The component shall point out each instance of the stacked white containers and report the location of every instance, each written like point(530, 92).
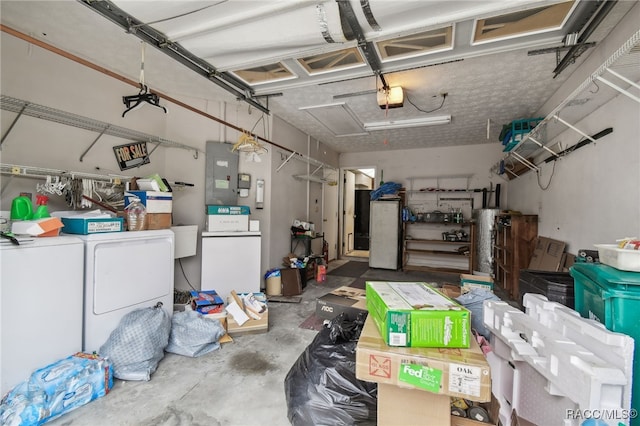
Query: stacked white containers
point(553, 367)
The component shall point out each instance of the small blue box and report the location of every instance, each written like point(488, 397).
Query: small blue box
point(86, 226)
point(206, 302)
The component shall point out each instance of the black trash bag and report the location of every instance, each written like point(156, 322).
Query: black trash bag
point(321, 387)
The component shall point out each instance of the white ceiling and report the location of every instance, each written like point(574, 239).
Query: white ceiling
point(491, 83)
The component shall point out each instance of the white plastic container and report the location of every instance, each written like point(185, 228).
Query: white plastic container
point(623, 259)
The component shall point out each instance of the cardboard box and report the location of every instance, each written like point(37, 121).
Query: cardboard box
point(252, 325)
point(548, 255)
point(451, 290)
point(227, 218)
point(349, 300)
point(463, 373)
point(223, 223)
point(154, 201)
point(414, 314)
point(291, 281)
point(400, 407)
point(469, 282)
point(46, 227)
point(158, 221)
point(492, 408)
point(228, 210)
point(207, 302)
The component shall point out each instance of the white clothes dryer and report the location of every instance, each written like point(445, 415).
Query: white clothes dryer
point(124, 271)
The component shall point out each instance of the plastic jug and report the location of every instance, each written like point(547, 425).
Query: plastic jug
point(21, 208)
point(41, 210)
point(136, 215)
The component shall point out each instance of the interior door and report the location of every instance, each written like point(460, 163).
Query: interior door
point(348, 212)
point(361, 226)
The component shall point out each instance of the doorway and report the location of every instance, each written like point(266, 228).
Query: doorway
point(357, 184)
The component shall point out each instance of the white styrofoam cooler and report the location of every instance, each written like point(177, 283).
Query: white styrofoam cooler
point(623, 259)
point(549, 363)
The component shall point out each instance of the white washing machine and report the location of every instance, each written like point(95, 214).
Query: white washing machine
point(124, 271)
point(40, 305)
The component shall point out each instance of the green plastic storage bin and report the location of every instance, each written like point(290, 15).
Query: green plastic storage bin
point(612, 297)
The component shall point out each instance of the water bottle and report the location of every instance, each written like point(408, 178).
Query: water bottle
point(136, 214)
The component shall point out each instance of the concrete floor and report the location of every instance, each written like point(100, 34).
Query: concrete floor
point(242, 383)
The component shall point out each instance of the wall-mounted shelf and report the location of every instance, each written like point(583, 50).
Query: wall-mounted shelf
point(431, 193)
point(619, 75)
point(311, 176)
point(41, 173)
point(21, 107)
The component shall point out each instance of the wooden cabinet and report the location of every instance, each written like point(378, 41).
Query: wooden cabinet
point(514, 242)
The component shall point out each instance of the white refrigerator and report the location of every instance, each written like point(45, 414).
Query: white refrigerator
point(231, 261)
point(385, 235)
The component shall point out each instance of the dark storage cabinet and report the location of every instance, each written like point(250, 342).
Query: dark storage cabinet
point(514, 241)
point(556, 286)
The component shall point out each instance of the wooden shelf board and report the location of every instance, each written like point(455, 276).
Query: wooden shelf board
point(433, 269)
point(438, 252)
point(427, 241)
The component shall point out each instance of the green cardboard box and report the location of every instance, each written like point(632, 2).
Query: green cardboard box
point(414, 314)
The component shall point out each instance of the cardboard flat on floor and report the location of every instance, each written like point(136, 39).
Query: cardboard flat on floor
point(415, 314)
point(548, 255)
point(252, 326)
point(349, 300)
point(464, 373)
point(400, 407)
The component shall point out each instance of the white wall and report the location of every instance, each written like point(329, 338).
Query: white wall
point(37, 75)
point(594, 192)
point(399, 166)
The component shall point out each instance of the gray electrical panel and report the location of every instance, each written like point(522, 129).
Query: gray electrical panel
point(221, 184)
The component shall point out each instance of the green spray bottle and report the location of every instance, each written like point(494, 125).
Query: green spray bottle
point(41, 210)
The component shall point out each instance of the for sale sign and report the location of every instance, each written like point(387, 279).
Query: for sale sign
point(131, 155)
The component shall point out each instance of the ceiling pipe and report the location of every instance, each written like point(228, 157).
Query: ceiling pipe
point(352, 30)
point(91, 65)
point(577, 49)
point(174, 50)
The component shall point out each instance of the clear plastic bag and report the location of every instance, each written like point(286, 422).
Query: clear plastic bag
point(321, 387)
point(194, 335)
point(137, 345)
point(474, 302)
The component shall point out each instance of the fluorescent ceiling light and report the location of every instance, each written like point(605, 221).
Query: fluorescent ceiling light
point(403, 124)
point(337, 117)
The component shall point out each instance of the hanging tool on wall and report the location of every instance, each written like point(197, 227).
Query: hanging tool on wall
point(144, 96)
